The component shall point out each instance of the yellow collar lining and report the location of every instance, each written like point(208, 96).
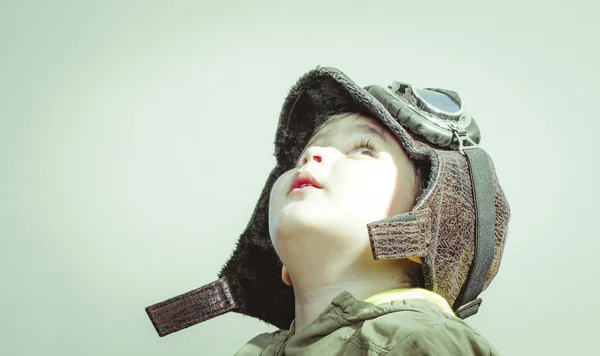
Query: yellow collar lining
point(410, 293)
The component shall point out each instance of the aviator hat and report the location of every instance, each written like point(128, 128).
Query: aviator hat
point(457, 227)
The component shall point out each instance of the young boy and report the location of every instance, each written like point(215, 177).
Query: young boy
point(371, 233)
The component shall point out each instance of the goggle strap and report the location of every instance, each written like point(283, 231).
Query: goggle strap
point(467, 303)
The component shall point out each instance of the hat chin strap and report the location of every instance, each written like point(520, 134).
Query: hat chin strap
point(467, 303)
point(193, 307)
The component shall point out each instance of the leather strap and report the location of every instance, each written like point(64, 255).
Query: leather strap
point(192, 307)
point(467, 303)
point(401, 236)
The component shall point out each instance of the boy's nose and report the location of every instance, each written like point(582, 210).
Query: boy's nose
point(315, 157)
point(313, 154)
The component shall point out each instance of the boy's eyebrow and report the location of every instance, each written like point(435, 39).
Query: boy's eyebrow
point(366, 127)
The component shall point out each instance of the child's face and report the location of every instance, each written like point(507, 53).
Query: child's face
point(359, 185)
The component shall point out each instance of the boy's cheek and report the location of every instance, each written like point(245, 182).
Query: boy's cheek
point(283, 182)
point(279, 191)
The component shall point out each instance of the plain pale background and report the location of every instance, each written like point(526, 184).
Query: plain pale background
point(135, 138)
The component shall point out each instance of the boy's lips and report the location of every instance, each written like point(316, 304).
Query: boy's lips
point(303, 177)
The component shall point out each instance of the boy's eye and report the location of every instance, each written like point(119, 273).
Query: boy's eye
point(365, 146)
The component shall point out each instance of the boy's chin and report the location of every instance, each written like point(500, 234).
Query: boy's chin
point(318, 238)
point(302, 216)
point(320, 215)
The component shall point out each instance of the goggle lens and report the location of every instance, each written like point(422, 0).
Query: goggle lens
point(439, 100)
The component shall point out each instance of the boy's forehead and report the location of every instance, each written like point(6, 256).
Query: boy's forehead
point(353, 122)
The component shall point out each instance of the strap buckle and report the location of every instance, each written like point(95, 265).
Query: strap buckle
point(469, 309)
point(464, 141)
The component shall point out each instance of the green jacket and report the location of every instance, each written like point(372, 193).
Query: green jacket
point(353, 327)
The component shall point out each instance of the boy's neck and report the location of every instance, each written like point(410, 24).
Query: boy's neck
point(310, 302)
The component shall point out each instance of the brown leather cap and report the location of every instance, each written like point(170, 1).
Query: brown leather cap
point(440, 228)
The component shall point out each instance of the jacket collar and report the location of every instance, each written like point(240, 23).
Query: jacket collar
point(345, 309)
point(410, 293)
